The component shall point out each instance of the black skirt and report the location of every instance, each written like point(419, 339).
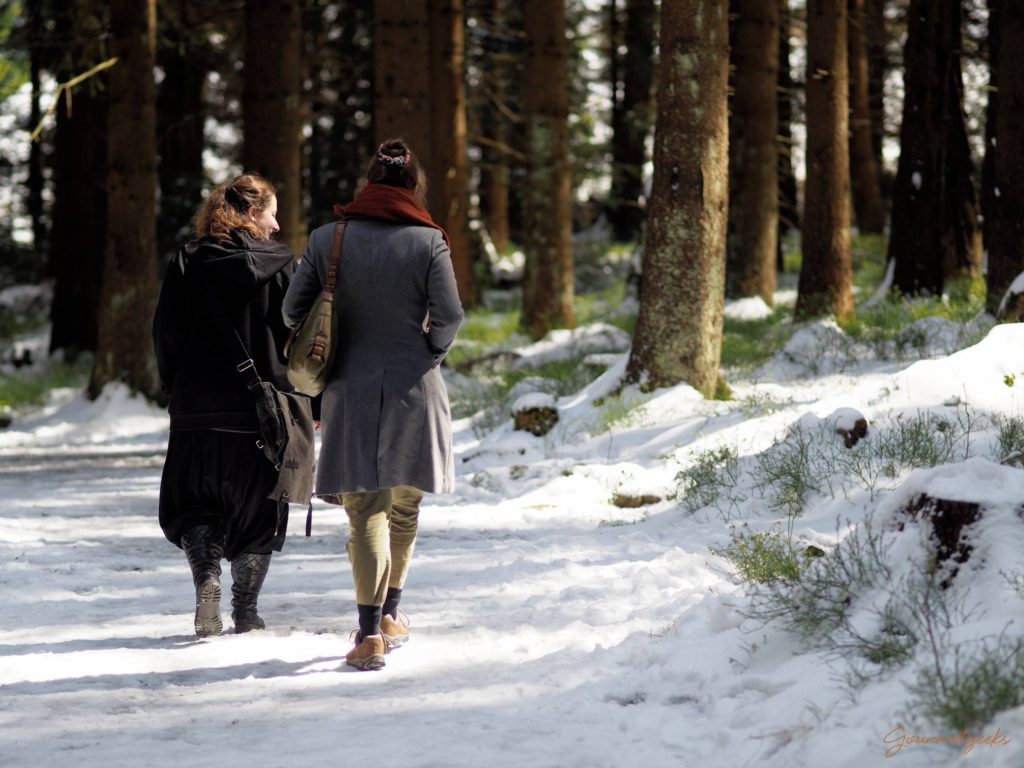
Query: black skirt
point(221, 479)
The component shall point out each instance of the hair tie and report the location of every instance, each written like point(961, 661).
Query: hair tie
point(235, 199)
point(398, 161)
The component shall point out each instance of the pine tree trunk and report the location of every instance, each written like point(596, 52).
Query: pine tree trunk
point(877, 39)
point(679, 330)
point(36, 181)
point(629, 137)
point(865, 177)
point(79, 213)
point(549, 281)
point(1006, 248)
point(987, 195)
point(753, 150)
point(180, 116)
point(124, 348)
point(271, 107)
point(450, 182)
point(789, 216)
point(401, 56)
point(934, 234)
point(826, 272)
point(494, 125)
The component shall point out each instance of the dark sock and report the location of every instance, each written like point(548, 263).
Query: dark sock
point(369, 620)
point(390, 607)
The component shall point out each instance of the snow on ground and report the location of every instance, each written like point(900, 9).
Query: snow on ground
point(550, 627)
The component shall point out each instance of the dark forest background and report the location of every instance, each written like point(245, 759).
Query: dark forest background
point(669, 127)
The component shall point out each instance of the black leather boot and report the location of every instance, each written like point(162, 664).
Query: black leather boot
point(204, 548)
point(247, 573)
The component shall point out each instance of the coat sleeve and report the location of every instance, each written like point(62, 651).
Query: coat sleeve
point(304, 287)
point(443, 303)
point(170, 324)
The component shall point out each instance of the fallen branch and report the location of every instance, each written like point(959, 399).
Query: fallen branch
point(65, 88)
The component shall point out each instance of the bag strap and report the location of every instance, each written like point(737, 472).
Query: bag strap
point(332, 267)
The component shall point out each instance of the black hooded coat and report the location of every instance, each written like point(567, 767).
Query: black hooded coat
point(214, 472)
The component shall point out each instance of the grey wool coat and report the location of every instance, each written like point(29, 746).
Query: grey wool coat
point(385, 418)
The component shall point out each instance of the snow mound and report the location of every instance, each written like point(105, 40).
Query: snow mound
point(569, 345)
point(753, 308)
point(114, 420)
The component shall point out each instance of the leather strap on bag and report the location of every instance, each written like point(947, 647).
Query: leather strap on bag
point(332, 268)
point(328, 289)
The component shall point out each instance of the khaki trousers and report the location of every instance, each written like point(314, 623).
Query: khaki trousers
point(382, 535)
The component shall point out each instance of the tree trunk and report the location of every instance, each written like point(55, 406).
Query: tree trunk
point(753, 151)
point(987, 196)
point(549, 281)
point(877, 38)
point(789, 217)
point(495, 119)
point(826, 273)
point(934, 233)
point(679, 331)
point(124, 347)
point(635, 109)
point(865, 177)
point(180, 115)
point(450, 198)
point(36, 180)
point(1006, 249)
point(79, 214)
point(420, 95)
point(271, 107)
point(401, 56)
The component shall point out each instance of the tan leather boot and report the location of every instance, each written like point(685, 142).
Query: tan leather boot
point(368, 653)
point(395, 632)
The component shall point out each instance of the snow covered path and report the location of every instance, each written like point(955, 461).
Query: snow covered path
point(522, 652)
point(551, 628)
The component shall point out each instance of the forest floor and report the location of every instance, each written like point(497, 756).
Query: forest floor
point(574, 604)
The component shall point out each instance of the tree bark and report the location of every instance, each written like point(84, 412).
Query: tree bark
point(79, 213)
point(934, 233)
point(36, 180)
point(1006, 248)
point(864, 172)
point(630, 131)
point(271, 107)
point(180, 116)
point(789, 216)
point(679, 330)
point(753, 151)
point(877, 38)
point(496, 119)
point(419, 94)
point(826, 272)
point(549, 282)
point(401, 56)
point(124, 348)
point(448, 138)
point(987, 197)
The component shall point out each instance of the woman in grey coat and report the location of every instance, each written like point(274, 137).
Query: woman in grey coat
point(385, 420)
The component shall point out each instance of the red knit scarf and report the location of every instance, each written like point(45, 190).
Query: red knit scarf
point(382, 201)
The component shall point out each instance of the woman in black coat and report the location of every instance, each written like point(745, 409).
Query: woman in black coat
point(214, 490)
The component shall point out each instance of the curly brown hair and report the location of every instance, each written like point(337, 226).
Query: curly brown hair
point(227, 207)
point(408, 173)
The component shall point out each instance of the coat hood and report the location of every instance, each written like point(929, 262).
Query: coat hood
point(242, 262)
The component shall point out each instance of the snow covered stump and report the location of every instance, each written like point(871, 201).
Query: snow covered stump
point(948, 518)
point(849, 423)
point(535, 413)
